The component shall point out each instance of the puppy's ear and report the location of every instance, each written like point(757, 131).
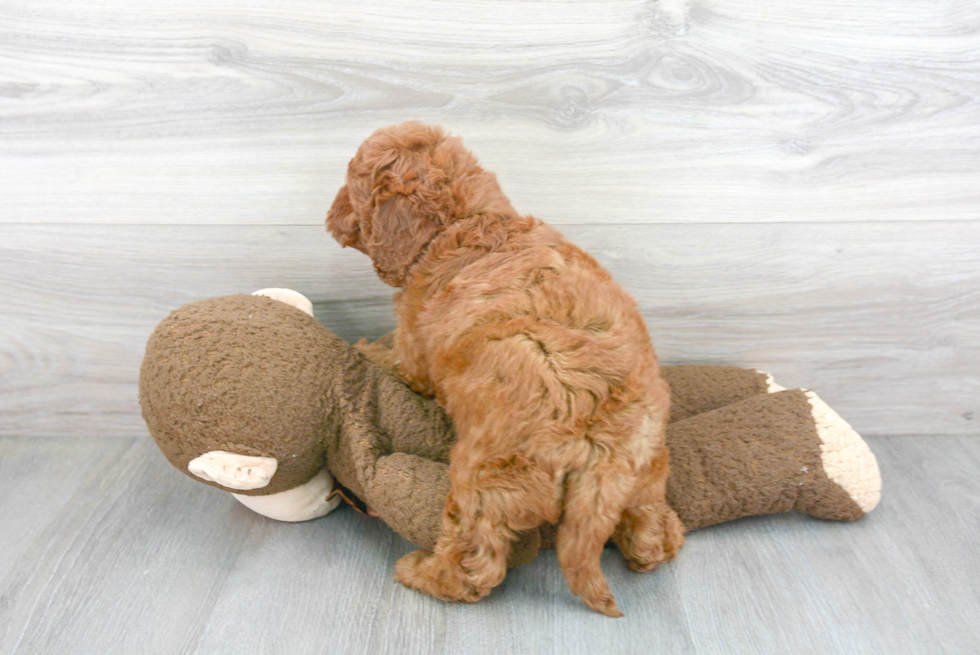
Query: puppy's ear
point(405, 233)
point(341, 220)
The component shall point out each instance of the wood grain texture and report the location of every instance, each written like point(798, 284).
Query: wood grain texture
point(786, 185)
point(135, 557)
point(623, 111)
point(882, 321)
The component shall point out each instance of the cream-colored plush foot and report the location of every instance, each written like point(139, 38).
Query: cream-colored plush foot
point(845, 456)
point(288, 296)
point(302, 503)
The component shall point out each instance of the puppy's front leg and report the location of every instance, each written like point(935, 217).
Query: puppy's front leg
point(378, 353)
point(411, 365)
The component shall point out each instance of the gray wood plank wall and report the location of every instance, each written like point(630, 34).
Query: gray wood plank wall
point(791, 186)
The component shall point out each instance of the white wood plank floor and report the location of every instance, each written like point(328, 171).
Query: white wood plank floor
point(106, 549)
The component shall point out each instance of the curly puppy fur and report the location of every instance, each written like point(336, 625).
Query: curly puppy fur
point(542, 360)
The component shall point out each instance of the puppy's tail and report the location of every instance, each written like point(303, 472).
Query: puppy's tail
point(592, 511)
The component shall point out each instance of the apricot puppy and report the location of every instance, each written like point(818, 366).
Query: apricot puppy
point(540, 358)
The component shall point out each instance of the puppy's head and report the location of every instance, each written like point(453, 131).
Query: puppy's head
point(404, 185)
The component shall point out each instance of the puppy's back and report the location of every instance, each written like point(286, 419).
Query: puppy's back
point(539, 317)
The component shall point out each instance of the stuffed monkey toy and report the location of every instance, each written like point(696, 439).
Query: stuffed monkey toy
point(252, 395)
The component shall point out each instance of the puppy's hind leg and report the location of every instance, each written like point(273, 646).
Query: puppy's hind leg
point(484, 511)
point(469, 560)
point(594, 499)
point(649, 532)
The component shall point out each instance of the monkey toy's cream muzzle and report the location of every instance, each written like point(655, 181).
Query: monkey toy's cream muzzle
point(247, 473)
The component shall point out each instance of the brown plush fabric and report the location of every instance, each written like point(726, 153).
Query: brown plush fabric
point(255, 376)
point(758, 456)
point(698, 389)
point(242, 374)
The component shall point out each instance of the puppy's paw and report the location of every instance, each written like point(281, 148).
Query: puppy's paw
point(408, 569)
point(653, 538)
point(673, 533)
point(647, 562)
point(431, 575)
